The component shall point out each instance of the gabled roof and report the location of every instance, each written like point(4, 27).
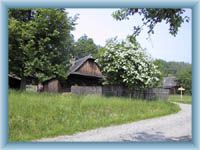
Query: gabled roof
point(79, 62)
point(169, 82)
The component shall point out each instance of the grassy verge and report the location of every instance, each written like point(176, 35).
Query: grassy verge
point(37, 115)
point(187, 99)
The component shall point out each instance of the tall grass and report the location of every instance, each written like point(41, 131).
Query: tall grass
point(37, 115)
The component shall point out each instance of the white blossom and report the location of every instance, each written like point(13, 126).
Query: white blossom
point(129, 62)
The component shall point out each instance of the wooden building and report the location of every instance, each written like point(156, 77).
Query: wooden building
point(14, 81)
point(171, 84)
point(52, 85)
point(83, 72)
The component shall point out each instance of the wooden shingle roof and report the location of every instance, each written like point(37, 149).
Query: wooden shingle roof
point(78, 63)
point(169, 82)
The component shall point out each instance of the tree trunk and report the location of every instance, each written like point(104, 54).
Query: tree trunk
point(23, 84)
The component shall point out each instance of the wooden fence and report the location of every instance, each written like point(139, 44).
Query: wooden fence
point(87, 90)
point(149, 94)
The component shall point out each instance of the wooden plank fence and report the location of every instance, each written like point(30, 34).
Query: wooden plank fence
point(148, 94)
point(86, 90)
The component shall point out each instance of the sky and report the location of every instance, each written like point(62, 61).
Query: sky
point(99, 25)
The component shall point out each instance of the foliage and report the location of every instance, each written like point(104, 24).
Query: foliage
point(184, 78)
point(171, 68)
point(126, 63)
point(39, 43)
point(83, 47)
point(187, 99)
point(49, 115)
point(153, 16)
point(181, 70)
point(162, 66)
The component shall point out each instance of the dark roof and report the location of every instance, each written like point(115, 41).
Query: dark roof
point(79, 62)
point(169, 82)
point(84, 74)
point(14, 76)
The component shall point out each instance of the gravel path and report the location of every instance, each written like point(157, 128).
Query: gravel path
point(175, 127)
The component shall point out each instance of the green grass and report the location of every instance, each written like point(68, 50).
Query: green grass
point(38, 115)
point(187, 99)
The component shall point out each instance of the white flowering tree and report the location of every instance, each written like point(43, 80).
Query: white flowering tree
point(126, 63)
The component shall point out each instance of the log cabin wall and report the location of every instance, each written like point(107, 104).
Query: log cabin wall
point(90, 68)
point(52, 86)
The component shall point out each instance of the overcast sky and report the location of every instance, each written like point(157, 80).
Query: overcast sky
point(99, 25)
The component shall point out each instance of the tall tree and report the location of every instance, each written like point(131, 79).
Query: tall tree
point(39, 43)
point(152, 16)
point(84, 46)
point(18, 18)
point(126, 63)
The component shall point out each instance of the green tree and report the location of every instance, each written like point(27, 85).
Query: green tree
point(17, 37)
point(171, 68)
point(84, 46)
point(184, 78)
point(126, 63)
point(152, 16)
point(161, 66)
point(39, 43)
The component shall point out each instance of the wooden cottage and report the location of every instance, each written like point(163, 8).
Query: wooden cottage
point(84, 71)
point(171, 84)
point(14, 81)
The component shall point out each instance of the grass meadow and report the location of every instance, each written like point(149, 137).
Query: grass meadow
point(38, 115)
point(187, 99)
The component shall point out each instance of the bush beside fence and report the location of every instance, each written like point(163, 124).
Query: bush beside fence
point(149, 93)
